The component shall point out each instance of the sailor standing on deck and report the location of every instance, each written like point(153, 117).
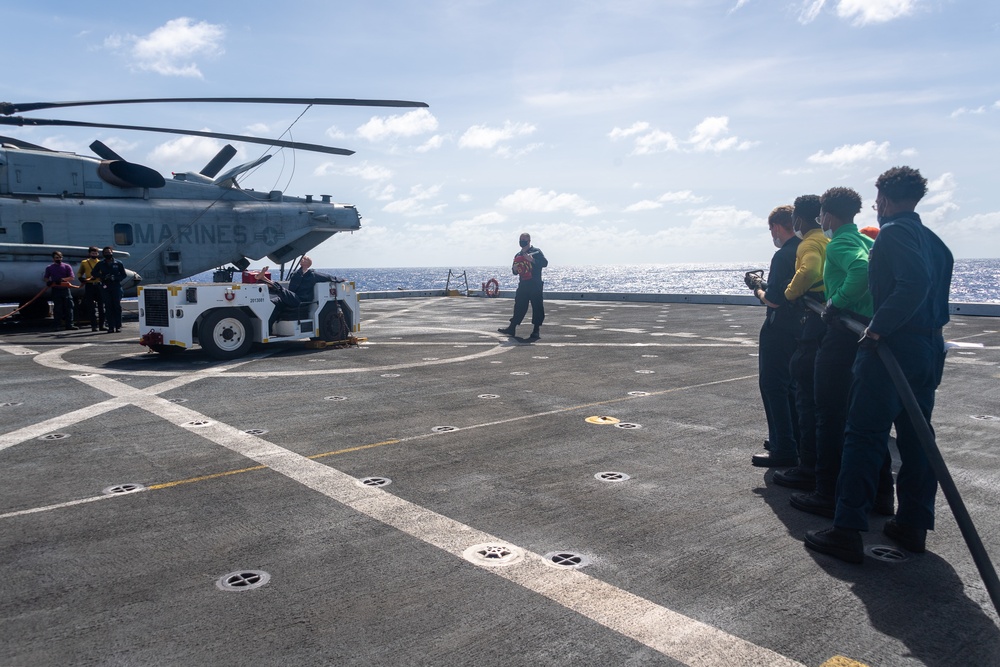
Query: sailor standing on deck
point(807, 283)
point(93, 301)
point(777, 339)
point(111, 273)
point(528, 265)
point(845, 277)
point(909, 275)
point(58, 276)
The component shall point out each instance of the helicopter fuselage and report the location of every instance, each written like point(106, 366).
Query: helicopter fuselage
point(190, 224)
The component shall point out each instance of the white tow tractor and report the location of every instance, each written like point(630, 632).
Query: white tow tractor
point(226, 319)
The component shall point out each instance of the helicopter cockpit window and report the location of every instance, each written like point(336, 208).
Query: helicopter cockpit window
point(123, 235)
point(31, 232)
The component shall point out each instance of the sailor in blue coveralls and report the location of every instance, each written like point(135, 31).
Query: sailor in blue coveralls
point(909, 275)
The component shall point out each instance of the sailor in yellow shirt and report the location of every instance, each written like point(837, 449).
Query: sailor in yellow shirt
point(807, 283)
point(93, 299)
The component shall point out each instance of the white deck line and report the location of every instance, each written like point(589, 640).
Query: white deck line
point(677, 636)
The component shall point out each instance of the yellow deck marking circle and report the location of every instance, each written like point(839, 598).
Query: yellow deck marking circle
point(841, 661)
point(602, 420)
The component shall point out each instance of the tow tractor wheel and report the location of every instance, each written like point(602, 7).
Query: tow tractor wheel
point(331, 326)
point(226, 333)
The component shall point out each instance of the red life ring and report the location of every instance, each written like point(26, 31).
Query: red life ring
point(491, 287)
point(230, 295)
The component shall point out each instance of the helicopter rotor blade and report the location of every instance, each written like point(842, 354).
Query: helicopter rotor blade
point(316, 148)
point(9, 108)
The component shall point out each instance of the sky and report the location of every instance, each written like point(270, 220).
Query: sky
point(625, 132)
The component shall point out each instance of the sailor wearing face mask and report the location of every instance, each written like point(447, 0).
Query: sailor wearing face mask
point(527, 266)
point(59, 276)
point(112, 274)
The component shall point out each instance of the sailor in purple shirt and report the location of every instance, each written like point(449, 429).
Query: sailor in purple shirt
point(57, 275)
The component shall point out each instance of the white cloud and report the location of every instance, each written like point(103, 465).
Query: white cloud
point(335, 132)
point(860, 12)
point(186, 150)
point(939, 197)
point(416, 203)
point(636, 128)
point(533, 200)
point(961, 111)
point(433, 143)
point(810, 10)
point(739, 3)
point(644, 205)
point(680, 196)
point(412, 123)
point(711, 135)
point(173, 48)
point(864, 12)
point(481, 136)
point(370, 172)
point(848, 154)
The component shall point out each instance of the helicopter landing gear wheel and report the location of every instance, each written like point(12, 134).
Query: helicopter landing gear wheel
point(226, 333)
point(333, 324)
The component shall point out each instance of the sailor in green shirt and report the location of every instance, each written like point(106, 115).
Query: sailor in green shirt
point(845, 277)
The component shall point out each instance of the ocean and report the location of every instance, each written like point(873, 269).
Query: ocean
point(974, 280)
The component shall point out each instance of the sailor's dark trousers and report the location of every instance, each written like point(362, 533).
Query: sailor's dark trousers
point(776, 389)
point(875, 406)
point(528, 292)
point(834, 362)
point(803, 368)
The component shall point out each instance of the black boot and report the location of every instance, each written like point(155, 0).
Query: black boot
point(534, 334)
point(508, 331)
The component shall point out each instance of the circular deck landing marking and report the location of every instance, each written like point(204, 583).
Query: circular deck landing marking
point(243, 580)
point(493, 555)
point(488, 396)
point(444, 429)
point(11, 404)
point(197, 423)
point(374, 481)
point(566, 560)
point(119, 489)
point(628, 425)
point(334, 398)
point(255, 431)
point(55, 436)
point(602, 419)
point(638, 393)
point(612, 476)
point(985, 418)
point(886, 553)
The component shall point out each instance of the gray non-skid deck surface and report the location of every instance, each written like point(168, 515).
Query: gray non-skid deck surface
point(376, 576)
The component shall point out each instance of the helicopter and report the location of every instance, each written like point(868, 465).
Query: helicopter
point(164, 229)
